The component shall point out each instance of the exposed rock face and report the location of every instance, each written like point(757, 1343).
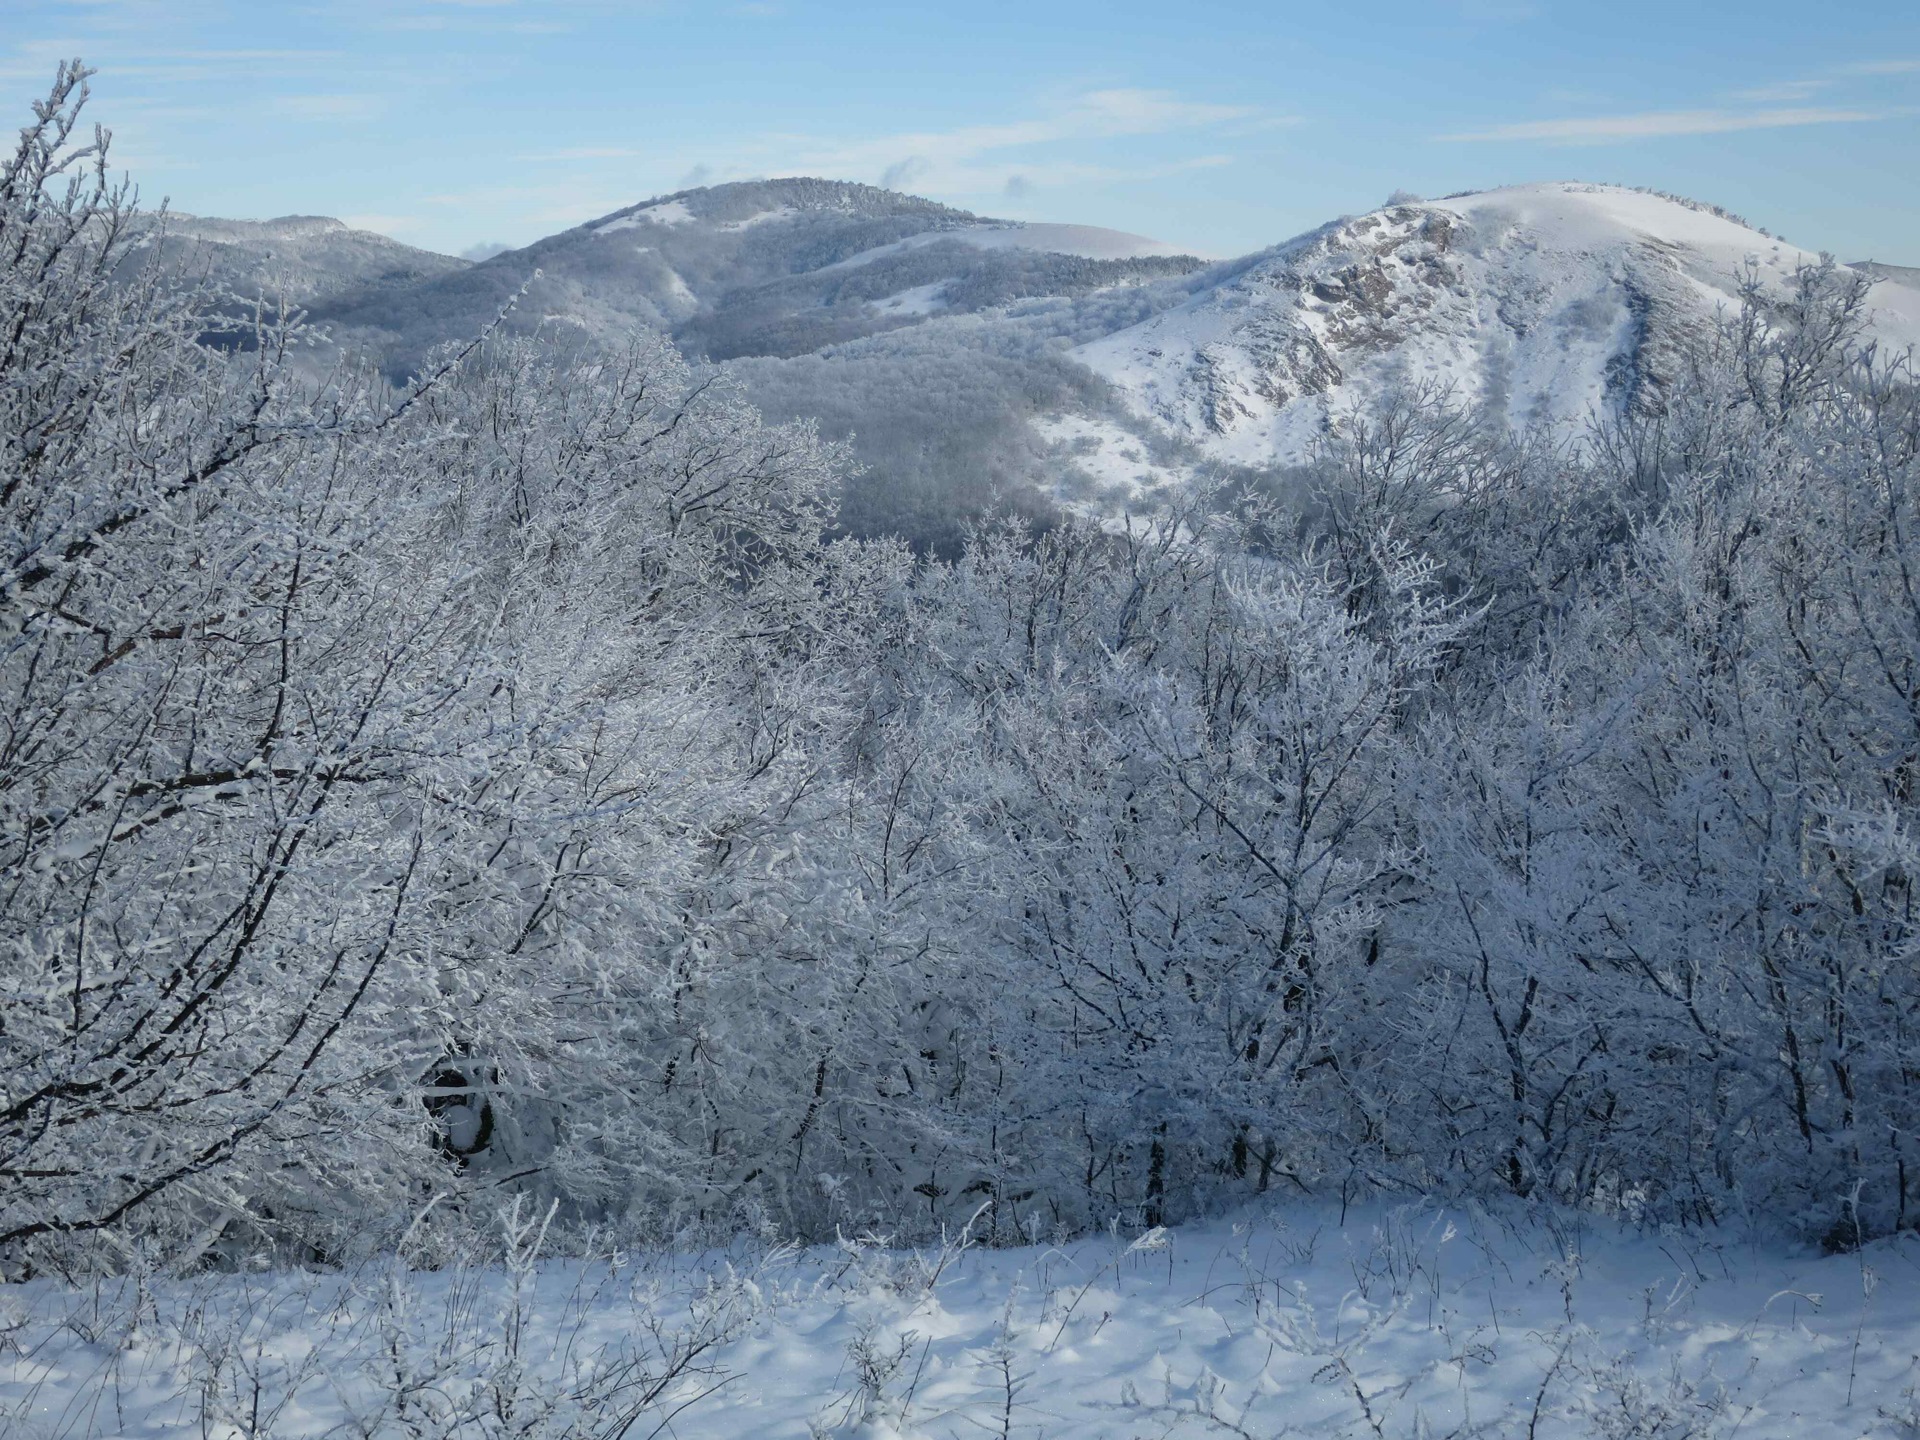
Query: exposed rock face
point(1548, 303)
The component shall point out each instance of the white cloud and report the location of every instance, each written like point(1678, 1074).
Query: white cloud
point(975, 158)
point(972, 160)
point(1781, 102)
point(1602, 129)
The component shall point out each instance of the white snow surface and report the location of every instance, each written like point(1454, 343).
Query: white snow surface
point(920, 300)
point(667, 212)
point(763, 217)
point(1550, 302)
point(1088, 241)
point(1400, 1322)
point(1124, 476)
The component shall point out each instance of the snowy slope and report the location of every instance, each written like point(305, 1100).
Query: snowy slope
point(1089, 242)
point(1550, 302)
point(768, 267)
point(301, 258)
point(1305, 1322)
point(945, 345)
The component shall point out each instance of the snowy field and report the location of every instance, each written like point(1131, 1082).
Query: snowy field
point(1400, 1322)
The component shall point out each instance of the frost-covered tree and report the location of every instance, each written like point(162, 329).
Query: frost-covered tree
point(352, 741)
point(508, 783)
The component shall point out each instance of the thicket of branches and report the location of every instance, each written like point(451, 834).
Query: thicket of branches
point(503, 785)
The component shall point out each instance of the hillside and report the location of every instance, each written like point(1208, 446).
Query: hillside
point(972, 361)
point(301, 258)
point(1547, 302)
point(777, 267)
point(1908, 275)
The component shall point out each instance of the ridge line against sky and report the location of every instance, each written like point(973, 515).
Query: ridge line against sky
point(1222, 128)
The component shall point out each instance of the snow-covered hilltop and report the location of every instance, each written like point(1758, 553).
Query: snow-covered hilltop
point(1551, 301)
point(299, 258)
point(765, 267)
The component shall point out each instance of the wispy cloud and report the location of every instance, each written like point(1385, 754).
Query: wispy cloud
point(1782, 105)
point(1807, 86)
point(1606, 129)
point(976, 158)
point(125, 60)
point(979, 159)
point(1096, 115)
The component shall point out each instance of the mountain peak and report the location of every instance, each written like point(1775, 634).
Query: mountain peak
point(1546, 302)
point(301, 258)
point(740, 203)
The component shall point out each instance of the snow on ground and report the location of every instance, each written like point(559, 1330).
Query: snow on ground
point(679, 290)
point(1088, 241)
point(920, 300)
point(1409, 1321)
point(762, 217)
point(1896, 312)
point(667, 212)
point(1122, 473)
point(1542, 301)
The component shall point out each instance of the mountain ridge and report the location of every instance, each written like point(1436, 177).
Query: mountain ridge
point(301, 259)
point(1550, 302)
point(971, 360)
point(775, 267)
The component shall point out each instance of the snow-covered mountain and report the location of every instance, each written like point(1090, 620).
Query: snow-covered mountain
point(776, 267)
point(1550, 302)
point(1908, 275)
point(969, 358)
point(301, 258)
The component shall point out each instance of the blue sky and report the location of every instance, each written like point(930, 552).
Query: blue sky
point(1220, 126)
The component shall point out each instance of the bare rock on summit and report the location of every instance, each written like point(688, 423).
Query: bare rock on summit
point(1548, 303)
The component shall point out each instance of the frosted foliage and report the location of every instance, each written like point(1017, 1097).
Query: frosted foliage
point(507, 787)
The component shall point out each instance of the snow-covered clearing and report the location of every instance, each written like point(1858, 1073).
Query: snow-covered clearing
point(760, 217)
point(1115, 462)
point(1088, 241)
point(1406, 1321)
point(666, 212)
point(920, 300)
